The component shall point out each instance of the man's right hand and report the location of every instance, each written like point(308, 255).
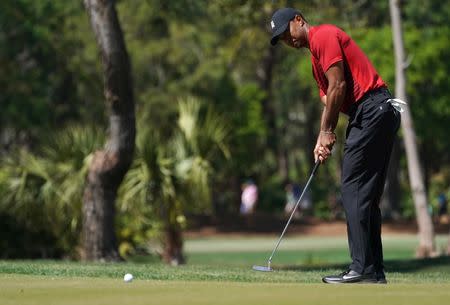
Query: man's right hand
point(324, 145)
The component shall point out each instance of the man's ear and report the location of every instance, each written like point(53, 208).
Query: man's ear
point(299, 19)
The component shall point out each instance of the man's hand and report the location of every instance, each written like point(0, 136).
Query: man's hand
point(324, 145)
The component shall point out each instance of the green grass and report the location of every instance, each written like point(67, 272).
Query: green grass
point(292, 251)
point(219, 272)
point(46, 290)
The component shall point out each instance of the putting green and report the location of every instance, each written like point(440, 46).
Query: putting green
point(219, 272)
point(25, 289)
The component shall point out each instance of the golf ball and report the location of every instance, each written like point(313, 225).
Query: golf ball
point(128, 278)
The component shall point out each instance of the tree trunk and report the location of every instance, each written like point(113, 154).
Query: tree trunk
point(173, 246)
point(426, 232)
point(264, 73)
point(172, 238)
point(109, 166)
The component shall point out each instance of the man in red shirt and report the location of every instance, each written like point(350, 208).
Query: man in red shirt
point(349, 83)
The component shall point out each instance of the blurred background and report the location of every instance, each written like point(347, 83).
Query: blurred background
point(225, 124)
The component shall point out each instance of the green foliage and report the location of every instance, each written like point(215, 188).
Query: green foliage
point(428, 84)
point(37, 77)
point(43, 192)
point(171, 177)
point(431, 13)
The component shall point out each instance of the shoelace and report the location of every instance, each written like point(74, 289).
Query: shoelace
point(345, 272)
point(397, 104)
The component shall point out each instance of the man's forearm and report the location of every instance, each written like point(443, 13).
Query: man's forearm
point(330, 114)
point(322, 119)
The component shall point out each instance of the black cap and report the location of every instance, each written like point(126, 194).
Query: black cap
point(280, 22)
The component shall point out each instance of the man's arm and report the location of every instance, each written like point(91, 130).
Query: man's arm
point(330, 115)
point(318, 150)
point(323, 99)
point(335, 96)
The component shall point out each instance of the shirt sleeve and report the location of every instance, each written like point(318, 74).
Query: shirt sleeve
point(327, 48)
point(319, 77)
point(321, 93)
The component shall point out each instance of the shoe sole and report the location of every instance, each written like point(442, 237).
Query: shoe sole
point(352, 281)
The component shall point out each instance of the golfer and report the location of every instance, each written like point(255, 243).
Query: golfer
point(348, 83)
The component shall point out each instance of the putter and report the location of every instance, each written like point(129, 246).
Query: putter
point(268, 268)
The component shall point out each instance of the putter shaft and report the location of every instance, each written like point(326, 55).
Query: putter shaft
point(269, 262)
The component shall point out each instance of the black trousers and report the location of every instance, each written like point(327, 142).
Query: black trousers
point(371, 131)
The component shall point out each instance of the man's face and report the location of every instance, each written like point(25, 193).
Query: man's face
point(293, 35)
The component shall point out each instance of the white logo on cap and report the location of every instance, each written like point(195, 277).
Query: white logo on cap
point(272, 24)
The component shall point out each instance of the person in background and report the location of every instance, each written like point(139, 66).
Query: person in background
point(293, 192)
point(335, 206)
point(249, 197)
point(443, 209)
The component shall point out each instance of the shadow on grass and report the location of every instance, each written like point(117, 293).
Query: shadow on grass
point(403, 266)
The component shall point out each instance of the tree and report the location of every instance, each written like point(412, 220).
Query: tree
point(109, 166)
point(41, 194)
point(37, 82)
point(173, 176)
point(426, 233)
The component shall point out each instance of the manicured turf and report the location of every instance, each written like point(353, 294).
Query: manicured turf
point(292, 251)
point(219, 272)
point(47, 290)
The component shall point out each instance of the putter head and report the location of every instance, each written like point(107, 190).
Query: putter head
point(262, 268)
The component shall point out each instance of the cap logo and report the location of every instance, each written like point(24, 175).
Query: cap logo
point(272, 24)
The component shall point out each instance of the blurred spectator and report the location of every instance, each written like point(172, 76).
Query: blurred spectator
point(442, 209)
point(249, 197)
point(335, 206)
point(293, 193)
point(306, 203)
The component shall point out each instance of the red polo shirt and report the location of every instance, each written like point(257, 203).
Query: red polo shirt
point(328, 45)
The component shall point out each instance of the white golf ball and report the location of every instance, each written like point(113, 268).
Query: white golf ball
point(128, 278)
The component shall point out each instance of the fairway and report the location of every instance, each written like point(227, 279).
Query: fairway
point(48, 290)
point(219, 272)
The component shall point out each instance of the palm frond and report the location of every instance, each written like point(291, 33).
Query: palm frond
point(45, 190)
point(188, 119)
